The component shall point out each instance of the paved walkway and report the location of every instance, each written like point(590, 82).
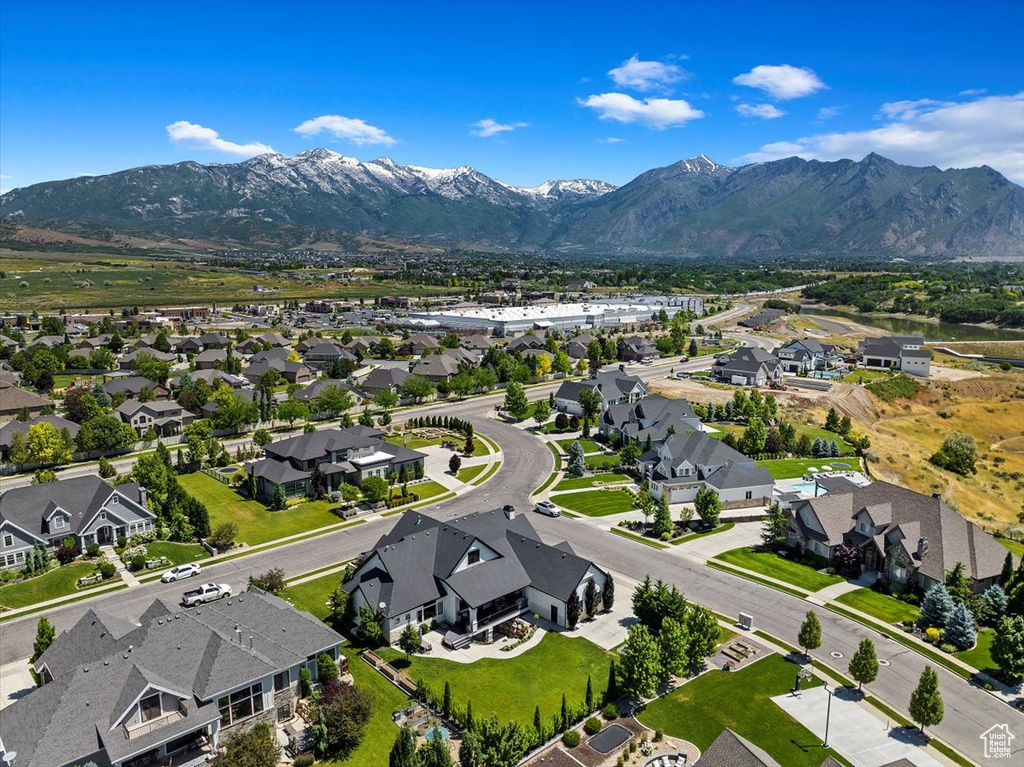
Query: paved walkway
point(855, 732)
point(15, 682)
point(829, 593)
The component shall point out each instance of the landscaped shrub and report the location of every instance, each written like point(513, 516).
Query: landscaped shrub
point(138, 562)
point(121, 541)
point(658, 735)
point(304, 760)
point(947, 647)
point(932, 635)
point(92, 550)
point(305, 682)
point(67, 551)
point(611, 711)
point(592, 726)
point(107, 569)
point(571, 738)
point(325, 668)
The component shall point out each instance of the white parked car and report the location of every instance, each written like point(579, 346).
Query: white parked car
point(548, 508)
point(208, 592)
point(181, 571)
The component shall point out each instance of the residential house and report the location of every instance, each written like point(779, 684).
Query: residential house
point(325, 354)
point(747, 366)
point(653, 418)
point(214, 341)
point(361, 347)
point(614, 387)
point(50, 342)
point(313, 390)
point(577, 347)
point(273, 353)
point(88, 509)
point(463, 357)
point(165, 417)
point(732, 750)
point(130, 360)
point(169, 690)
point(806, 355)
point(579, 286)
point(291, 372)
point(472, 574)
point(419, 344)
point(342, 455)
point(903, 353)
point(435, 368)
point(905, 537)
point(477, 344)
point(14, 400)
point(686, 462)
point(211, 359)
point(524, 343)
point(384, 379)
point(637, 349)
point(132, 385)
point(8, 429)
point(94, 342)
point(215, 378)
point(189, 345)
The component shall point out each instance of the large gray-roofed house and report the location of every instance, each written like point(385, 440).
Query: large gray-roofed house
point(13, 400)
point(688, 461)
point(654, 417)
point(88, 509)
point(904, 353)
point(120, 694)
point(132, 385)
point(747, 366)
point(384, 379)
point(8, 430)
point(905, 537)
point(614, 386)
point(472, 574)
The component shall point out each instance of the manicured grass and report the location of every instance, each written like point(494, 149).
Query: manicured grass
point(692, 536)
point(646, 541)
point(596, 503)
point(470, 472)
point(511, 687)
point(64, 380)
point(380, 732)
point(416, 442)
point(603, 461)
point(980, 656)
point(741, 700)
point(424, 490)
point(1014, 546)
point(56, 583)
point(863, 376)
point(880, 606)
point(580, 483)
point(793, 468)
point(256, 523)
point(176, 553)
point(588, 445)
point(812, 432)
point(773, 566)
point(751, 577)
point(312, 595)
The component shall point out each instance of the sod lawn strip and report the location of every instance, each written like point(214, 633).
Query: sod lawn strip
point(603, 461)
point(176, 553)
point(57, 583)
point(880, 606)
point(741, 700)
point(705, 534)
point(588, 445)
point(511, 687)
point(470, 472)
point(424, 490)
point(256, 523)
point(980, 655)
point(312, 595)
point(774, 566)
point(751, 577)
point(596, 503)
point(581, 483)
point(1015, 546)
point(646, 541)
point(794, 468)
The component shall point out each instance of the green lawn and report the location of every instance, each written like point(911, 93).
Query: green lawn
point(793, 468)
point(415, 442)
point(64, 380)
point(603, 461)
point(980, 657)
point(579, 483)
point(596, 503)
point(511, 687)
point(470, 472)
point(741, 700)
point(588, 445)
point(1014, 546)
point(885, 608)
point(812, 432)
point(177, 553)
point(713, 531)
point(312, 595)
point(56, 583)
point(774, 566)
point(863, 376)
point(424, 490)
point(256, 523)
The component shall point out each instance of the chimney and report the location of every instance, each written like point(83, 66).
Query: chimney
point(922, 547)
point(936, 495)
point(250, 641)
point(622, 368)
point(510, 512)
point(142, 495)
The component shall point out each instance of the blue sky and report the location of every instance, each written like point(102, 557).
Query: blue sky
point(522, 91)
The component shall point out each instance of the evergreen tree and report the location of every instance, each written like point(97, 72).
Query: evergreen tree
point(280, 500)
point(403, 752)
point(470, 723)
point(960, 631)
point(589, 698)
point(45, 634)
point(564, 716)
point(662, 517)
point(864, 663)
point(833, 449)
point(773, 529)
point(936, 606)
point(996, 601)
point(832, 420)
point(1007, 572)
point(810, 633)
point(591, 600)
point(572, 610)
point(926, 702)
point(957, 584)
point(1008, 646)
point(608, 592)
point(577, 464)
point(537, 725)
point(446, 701)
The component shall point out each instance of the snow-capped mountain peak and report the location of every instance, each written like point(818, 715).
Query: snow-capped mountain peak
point(701, 165)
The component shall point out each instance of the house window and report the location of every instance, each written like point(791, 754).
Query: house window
point(474, 556)
point(59, 522)
point(103, 515)
point(241, 704)
point(281, 681)
point(149, 708)
point(8, 540)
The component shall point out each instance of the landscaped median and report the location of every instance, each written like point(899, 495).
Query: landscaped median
point(773, 566)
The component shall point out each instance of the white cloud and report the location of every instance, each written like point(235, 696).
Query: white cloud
point(199, 137)
point(351, 129)
point(764, 111)
point(828, 113)
point(487, 127)
point(646, 75)
point(973, 92)
point(985, 131)
point(610, 140)
point(781, 81)
point(654, 113)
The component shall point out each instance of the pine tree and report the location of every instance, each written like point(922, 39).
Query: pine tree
point(996, 600)
point(662, 517)
point(45, 634)
point(960, 630)
point(810, 633)
point(926, 702)
point(1007, 574)
point(564, 718)
point(572, 610)
point(577, 464)
point(957, 584)
point(537, 725)
point(280, 500)
point(611, 692)
point(773, 529)
point(864, 663)
point(469, 716)
point(608, 592)
point(446, 702)
point(936, 606)
point(589, 698)
point(403, 752)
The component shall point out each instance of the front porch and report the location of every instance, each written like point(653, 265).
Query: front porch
point(480, 622)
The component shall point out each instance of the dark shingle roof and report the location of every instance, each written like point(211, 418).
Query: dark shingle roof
point(732, 750)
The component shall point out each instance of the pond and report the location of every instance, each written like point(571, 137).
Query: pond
point(932, 331)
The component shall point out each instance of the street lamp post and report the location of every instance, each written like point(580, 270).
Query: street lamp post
point(828, 714)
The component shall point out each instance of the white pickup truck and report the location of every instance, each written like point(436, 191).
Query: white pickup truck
point(208, 592)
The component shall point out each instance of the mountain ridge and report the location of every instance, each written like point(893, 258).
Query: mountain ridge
point(693, 207)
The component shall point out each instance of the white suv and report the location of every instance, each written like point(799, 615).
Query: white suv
point(547, 507)
point(180, 572)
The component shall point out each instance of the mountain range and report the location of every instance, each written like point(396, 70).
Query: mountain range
point(693, 207)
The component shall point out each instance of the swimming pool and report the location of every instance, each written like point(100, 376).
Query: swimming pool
point(809, 488)
point(438, 731)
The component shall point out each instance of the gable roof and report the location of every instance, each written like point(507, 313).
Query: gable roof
point(732, 750)
point(130, 384)
point(9, 428)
